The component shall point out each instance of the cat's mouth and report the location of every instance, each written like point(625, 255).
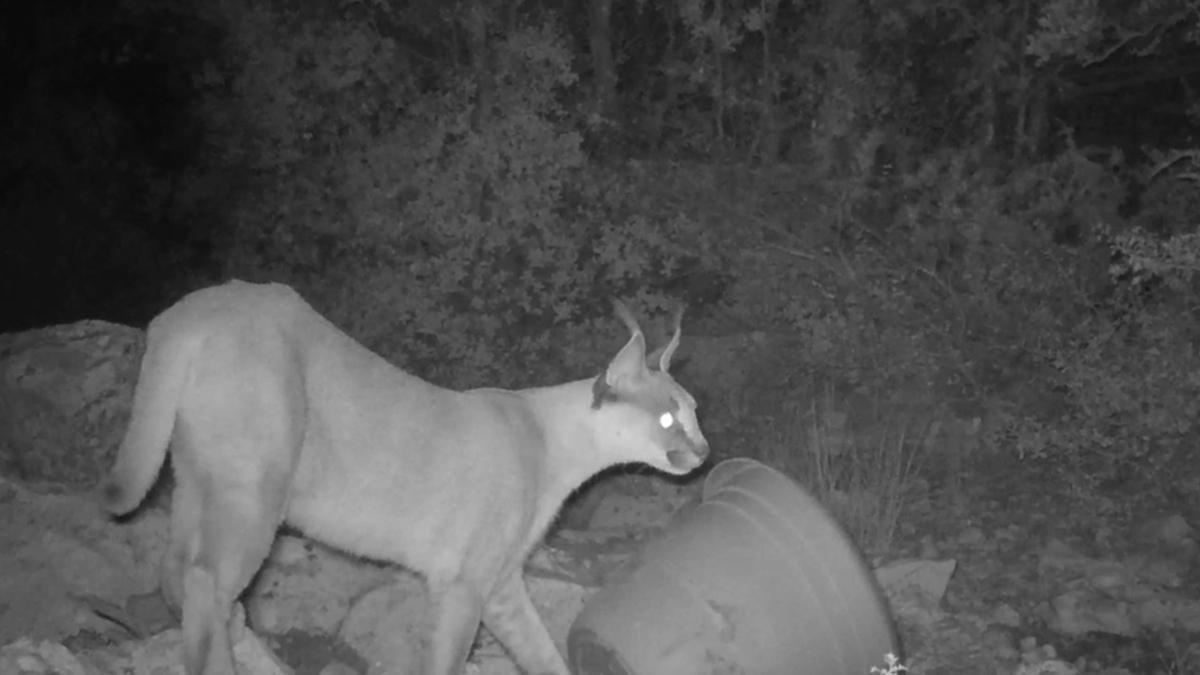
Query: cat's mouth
point(684, 461)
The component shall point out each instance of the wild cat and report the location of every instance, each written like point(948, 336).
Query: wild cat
point(275, 415)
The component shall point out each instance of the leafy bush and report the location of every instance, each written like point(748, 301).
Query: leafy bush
point(443, 207)
point(1026, 291)
point(464, 239)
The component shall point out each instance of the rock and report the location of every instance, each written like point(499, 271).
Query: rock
point(386, 625)
point(26, 657)
point(61, 561)
point(922, 582)
point(618, 510)
point(161, 655)
point(65, 393)
point(1084, 611)
point(308, 587)
point(626, 501)
point(558, 602)
point(491, 665)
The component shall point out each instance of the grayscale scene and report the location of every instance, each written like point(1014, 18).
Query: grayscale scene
point(602, 337)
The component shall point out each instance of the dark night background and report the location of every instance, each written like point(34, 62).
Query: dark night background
point(101, 126)
point(913, 214)
point(119, 177)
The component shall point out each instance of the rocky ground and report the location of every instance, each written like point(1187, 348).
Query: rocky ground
point(1022, 573)
point(1102, 583)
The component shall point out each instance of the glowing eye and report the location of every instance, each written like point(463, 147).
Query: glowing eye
point(666, 420)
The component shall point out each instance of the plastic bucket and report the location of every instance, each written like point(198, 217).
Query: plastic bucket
point(755, 580)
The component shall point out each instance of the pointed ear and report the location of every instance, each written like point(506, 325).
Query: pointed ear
point(663, 354)
point(626, 316)
point(629, 363)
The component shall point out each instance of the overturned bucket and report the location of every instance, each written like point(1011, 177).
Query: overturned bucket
point(755, 580)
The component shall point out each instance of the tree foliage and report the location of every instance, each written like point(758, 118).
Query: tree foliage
point(948, 203)
point(452, 209)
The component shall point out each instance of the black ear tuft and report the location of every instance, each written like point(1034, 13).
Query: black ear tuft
point(626, 315)
point(630, 363)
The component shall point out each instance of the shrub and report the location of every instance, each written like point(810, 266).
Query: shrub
point(463, 237)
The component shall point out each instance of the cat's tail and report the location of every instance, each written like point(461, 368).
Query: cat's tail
point(155, 402)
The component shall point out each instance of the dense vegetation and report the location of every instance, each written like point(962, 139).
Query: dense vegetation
point(970, 210)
